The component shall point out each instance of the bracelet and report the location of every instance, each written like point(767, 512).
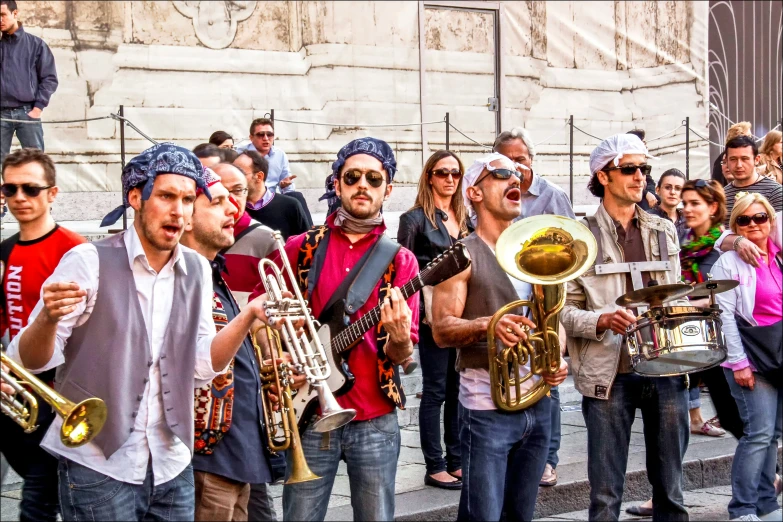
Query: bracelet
point(737, 242)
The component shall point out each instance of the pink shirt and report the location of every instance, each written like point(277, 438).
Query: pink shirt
point(366, 396)
point(769, 290)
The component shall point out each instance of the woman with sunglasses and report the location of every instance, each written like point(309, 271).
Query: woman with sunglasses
point(754, 304)
point(437, 220)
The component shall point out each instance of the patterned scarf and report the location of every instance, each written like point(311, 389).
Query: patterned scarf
point(693, 250)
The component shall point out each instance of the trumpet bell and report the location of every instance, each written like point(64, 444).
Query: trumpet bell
point(332, 415)
point(84, 421)
point(546, 249)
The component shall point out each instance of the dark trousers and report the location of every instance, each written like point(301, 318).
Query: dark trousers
point(440, 385)
point(663, 402)
point(35, 465)
point(504, 455)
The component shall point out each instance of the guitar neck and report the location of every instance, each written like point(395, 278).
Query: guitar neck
point(355, 331)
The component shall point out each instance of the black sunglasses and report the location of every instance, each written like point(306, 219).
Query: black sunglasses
point(445, 173)
point(499, 174)
point(264, 134)
point(630, 170)
point(758, 219)
point(374, 178)
point(31, 191)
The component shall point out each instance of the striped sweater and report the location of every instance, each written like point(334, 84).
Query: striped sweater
point(254, 243)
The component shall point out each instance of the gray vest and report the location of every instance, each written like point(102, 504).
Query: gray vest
point(109, 355)
point(489, 289)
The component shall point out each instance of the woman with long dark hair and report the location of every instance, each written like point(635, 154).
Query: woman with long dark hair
point(437, 220)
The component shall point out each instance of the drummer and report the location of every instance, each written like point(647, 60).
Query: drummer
point(595, 326)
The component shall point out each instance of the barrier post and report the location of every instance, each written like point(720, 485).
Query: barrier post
point(571, 159)
point(272, 117)
point(122, 160)
point(687, 147)
point(447, 131)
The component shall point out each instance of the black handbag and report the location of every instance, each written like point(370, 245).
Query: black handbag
point(764, 347)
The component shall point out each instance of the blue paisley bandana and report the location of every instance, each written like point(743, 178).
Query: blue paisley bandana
point(164, 158)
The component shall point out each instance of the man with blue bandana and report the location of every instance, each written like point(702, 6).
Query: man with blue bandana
point(128, 319)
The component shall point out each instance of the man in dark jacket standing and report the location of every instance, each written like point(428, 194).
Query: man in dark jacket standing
point(28, 78)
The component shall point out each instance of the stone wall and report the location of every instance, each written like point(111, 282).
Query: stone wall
point(184, 69)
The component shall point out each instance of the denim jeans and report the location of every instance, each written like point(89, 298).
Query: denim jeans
point(503, 458)
point(34, 464)
point(86, 494)
point(663, 402)
point(753, 468)
point(370, 450)
point(440, 385)
point(29, 134)
point(260, 506)
point(694, 398)
point(556, 432)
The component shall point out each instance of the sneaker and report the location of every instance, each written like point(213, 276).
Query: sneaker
point(775, 515)
point(549, 478)
point(747, 518)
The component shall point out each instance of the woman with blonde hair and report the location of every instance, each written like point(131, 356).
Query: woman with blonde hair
point(437, 220)
point(752, 314)
point(771, 156)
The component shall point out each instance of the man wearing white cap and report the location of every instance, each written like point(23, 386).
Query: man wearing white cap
point(492, 442)
point(626, 237)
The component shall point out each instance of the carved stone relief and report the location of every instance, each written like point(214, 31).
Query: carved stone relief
point(216, 22)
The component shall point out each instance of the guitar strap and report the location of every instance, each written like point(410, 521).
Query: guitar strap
point(376, 264)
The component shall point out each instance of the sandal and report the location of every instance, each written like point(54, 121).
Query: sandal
point(709, 430)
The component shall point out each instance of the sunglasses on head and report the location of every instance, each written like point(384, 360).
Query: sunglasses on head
point(758, 219)
point(264, 134)
point(630, 170)
point(374, 178)
point(445, 173)
point(31, 191)
point(701, 183)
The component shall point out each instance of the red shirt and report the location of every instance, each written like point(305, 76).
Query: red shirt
point(29, 265)
point(366, 396)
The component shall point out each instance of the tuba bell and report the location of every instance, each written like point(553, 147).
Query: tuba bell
point(81, 422)
point(545, 251)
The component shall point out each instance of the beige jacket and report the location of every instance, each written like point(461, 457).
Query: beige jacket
point(594, 358)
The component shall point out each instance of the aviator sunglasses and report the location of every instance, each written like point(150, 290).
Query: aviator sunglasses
point(630, 170)
point(264, 134)
point(31, 191)
point(758, 219)
point(374, 178)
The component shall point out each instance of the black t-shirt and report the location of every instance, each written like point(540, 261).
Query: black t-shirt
point(282, 213)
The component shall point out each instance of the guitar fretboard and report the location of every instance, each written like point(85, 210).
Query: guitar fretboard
point(353, 333)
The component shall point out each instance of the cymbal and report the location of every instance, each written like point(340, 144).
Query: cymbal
point(716, 285)
point(654, 295)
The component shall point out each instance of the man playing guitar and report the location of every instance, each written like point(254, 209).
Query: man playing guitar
point(370, 444)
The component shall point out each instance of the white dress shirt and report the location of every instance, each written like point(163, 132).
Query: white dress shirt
point(155, 291)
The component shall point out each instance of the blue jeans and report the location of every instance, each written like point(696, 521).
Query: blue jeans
point(86, 494)
point(30, 134)
point(503, 458)
point(440, 385)
point(554, 440)
point(370, 450)
point(753, 468)
point(664, 405)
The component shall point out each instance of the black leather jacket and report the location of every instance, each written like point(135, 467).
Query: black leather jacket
point(417, 234)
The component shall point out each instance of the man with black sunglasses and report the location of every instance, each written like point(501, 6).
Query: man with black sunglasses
point(636, 248)
point(503, 453)
point(27, 259)
point(262, 140)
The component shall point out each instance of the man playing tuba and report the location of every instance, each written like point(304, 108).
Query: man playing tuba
point(494, 457)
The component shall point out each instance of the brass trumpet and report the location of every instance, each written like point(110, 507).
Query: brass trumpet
point(546, 251)
point(282, 431)
point(81, 422)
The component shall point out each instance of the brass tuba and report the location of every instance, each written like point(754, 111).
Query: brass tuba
point(281, 430)
point(81, 422)
point(545, 251)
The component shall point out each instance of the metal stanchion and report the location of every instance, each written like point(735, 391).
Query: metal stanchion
point(571, 159)
point(687, 147)
point(272, 117)
point(122, 161)
point(447, 131)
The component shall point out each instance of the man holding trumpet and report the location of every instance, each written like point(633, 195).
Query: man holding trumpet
point(139, 342)
point(503, 453)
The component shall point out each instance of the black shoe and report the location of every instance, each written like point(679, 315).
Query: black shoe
point(639, 511)
point(435, 483)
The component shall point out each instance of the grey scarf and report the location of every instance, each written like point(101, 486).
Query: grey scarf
point(354, 225)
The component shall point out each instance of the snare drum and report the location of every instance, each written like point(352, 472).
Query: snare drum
point(676, 340)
